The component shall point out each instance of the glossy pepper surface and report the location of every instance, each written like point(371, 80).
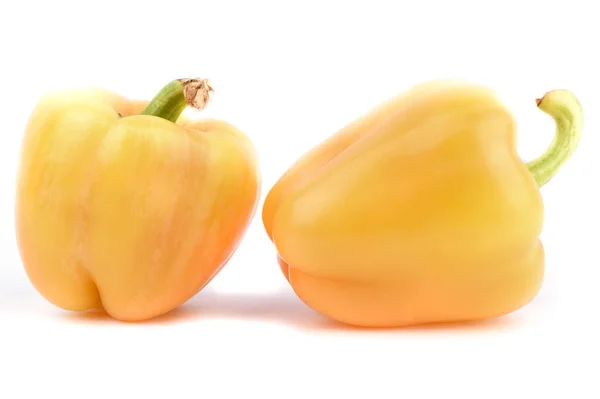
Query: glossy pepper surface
point(127, 206)
point(419, 211)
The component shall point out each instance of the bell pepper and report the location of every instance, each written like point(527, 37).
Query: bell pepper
point(131, 207)
point(420, 211)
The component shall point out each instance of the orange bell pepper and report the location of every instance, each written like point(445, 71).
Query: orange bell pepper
point(126, 206)
point(420, 211)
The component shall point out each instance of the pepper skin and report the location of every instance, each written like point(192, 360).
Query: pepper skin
point(420, 211)
point(121, 208)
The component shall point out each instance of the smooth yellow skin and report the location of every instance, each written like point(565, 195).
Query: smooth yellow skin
point(420, 211)
point(132, 215)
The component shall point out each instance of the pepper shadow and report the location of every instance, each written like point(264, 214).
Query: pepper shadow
point(282, 307)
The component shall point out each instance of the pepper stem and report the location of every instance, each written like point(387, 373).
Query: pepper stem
point(566, 111)
point(172, 99)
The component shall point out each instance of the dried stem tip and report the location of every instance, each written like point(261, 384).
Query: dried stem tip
point(197, 92)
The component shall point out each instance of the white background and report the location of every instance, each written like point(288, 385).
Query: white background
point(289, 74)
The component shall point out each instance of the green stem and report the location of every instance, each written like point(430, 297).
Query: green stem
point(172, 99)
point(566, 111)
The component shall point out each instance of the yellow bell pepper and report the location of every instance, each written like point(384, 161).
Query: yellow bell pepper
point(420, 211)
point(127, 207)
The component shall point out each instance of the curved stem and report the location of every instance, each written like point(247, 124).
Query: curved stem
point(172, 99)
point(565, 109)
